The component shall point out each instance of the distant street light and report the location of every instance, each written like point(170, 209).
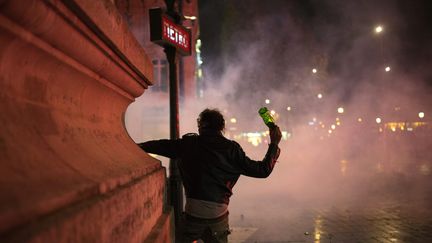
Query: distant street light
point(387, 69)
point(288, 108)
point(378, 29)
point(314, 70)
point(267, 101)
point(340, 110)
point(319, 96)
point(233, 120)
point(421, 115)
point(378, 120)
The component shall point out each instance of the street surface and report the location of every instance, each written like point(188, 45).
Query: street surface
point(384, 217)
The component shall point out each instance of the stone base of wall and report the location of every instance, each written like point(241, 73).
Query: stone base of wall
point(164, 230)
point(126, 214)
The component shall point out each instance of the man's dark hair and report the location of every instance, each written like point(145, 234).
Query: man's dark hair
point(211, 119)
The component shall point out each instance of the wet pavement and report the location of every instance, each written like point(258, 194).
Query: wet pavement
point(387, 222)
point(382, 217)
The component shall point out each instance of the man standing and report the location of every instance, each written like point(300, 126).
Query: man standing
point(210, 165)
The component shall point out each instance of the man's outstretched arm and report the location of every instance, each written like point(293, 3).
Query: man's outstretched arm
point(163, 147)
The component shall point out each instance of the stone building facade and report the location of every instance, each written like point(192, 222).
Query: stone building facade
point(69, 171)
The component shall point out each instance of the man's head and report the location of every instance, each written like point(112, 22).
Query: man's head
point(211, 119)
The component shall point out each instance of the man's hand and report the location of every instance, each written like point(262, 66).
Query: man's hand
point(275, 135)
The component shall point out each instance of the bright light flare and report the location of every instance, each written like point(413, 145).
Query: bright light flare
point(272, 112)
point(378, 29)
point(233, 120)
point(288, 108)
point(319, 96)
point(387, 69)
point(340, 110)
point(190, 17)
point(267, 101)
point(254, 138)
point(333, 126)
point(421, 115)
point(314, 70)
point(378, 120)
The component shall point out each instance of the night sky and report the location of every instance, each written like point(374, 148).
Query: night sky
point(341, 31)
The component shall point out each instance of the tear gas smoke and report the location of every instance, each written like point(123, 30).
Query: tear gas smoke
point(334, 149)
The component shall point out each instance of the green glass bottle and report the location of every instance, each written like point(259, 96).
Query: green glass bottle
point(267, 117)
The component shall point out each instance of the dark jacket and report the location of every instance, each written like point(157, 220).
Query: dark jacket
point(210, 164)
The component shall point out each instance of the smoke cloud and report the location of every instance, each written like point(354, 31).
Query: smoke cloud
point(353, 131)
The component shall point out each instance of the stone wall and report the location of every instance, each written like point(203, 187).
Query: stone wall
point(69, 172)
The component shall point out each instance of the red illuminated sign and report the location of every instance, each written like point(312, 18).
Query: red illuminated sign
point(164, 31)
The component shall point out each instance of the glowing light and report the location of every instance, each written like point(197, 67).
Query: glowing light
point(314, 119)
point(272, 112)
point(387, 69)
point(392, 126)
point(288, 108)
point(378, 120)
point(317, 228)
point(285, 135)
point(425, 169)
point(233, 120)
point(340, 110)
point(323, 126)
point(359, 119)
point(333, 126)
point(314, 70)
point(421, 115)
point(380, 129)
point(319, 96)
point(330, 131)
point(338, 123)
point(378, 29)
point(254, 138)
point(190, 17)
point(343, 167)
point(267, 101)
point(408, 126)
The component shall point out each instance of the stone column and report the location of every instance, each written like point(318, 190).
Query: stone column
point(69, 172)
